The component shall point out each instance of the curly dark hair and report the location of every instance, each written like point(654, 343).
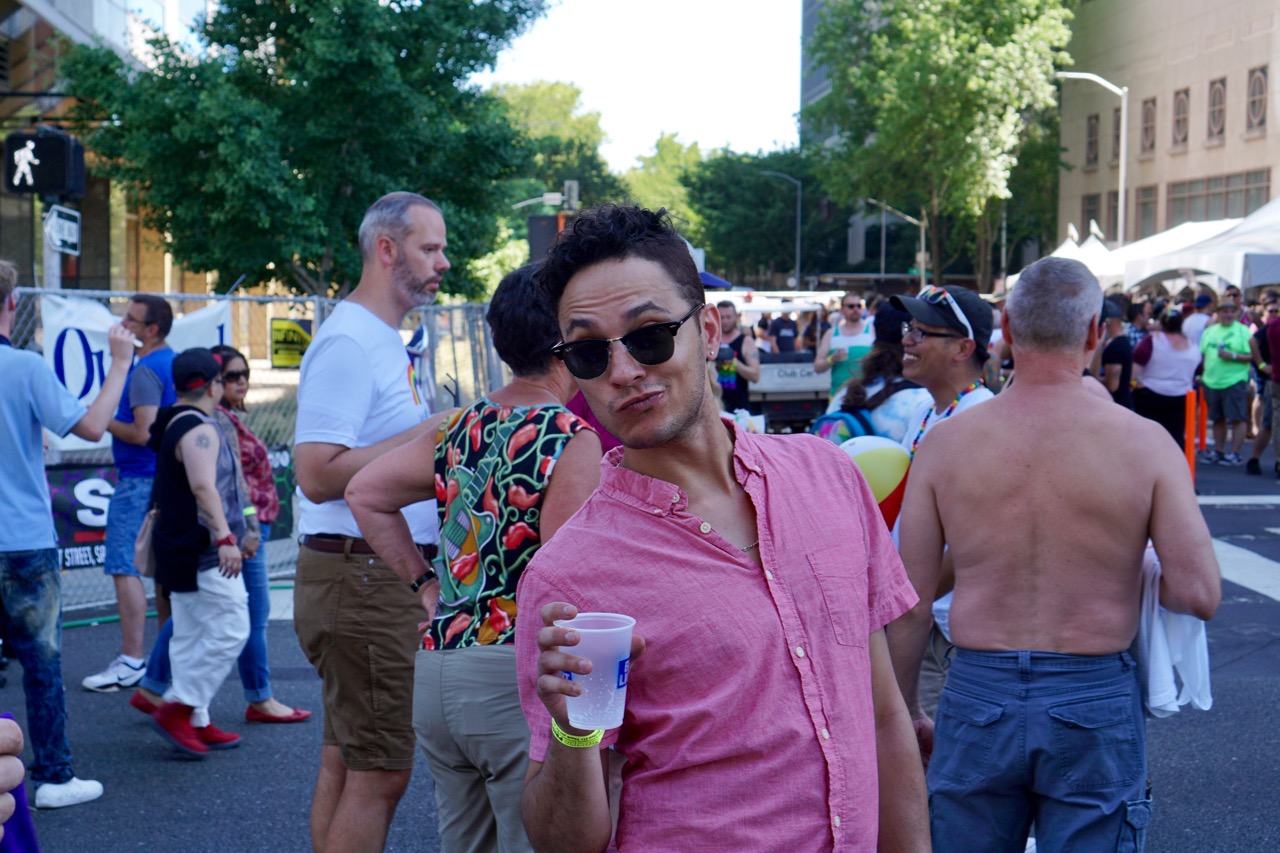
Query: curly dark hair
point(883, 362)
point(524, 329)
point(618, 232)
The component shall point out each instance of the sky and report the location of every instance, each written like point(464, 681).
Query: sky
point(716, 73)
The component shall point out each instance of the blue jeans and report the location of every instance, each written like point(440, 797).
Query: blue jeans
point(128, 507)
point(31, 620)
point(1058, 740)
point(255, 675)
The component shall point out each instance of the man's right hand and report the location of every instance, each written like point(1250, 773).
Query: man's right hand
point(120, 342)
point(552, 688)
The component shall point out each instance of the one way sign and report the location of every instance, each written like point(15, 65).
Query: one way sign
point(62, 229)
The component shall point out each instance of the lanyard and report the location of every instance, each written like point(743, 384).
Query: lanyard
point(946, 414)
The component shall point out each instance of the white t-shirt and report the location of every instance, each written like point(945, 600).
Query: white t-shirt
point(357, 388)
point(1193, 327)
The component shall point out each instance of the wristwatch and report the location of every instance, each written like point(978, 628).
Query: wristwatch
point(427, 577)
point(229, 539)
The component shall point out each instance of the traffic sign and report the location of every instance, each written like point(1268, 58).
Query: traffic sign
point(62, 229)
point(45, 163)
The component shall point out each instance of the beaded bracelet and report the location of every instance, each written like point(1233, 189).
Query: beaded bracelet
point(576, 741)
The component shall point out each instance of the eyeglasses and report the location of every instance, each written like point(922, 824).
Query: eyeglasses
point(937, 296)
point(914, 334)
point(852, 306)
point(236, 375)
point(650, 345)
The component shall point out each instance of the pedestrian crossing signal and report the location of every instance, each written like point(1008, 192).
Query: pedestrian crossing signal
point(47, 163)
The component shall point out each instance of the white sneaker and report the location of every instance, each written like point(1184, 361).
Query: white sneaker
point(72, 792)
point(119, 674)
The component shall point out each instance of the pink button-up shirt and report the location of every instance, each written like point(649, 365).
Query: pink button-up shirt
point(749, 721)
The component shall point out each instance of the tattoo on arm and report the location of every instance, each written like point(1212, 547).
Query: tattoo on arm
point(202, 442)
point(206, 518)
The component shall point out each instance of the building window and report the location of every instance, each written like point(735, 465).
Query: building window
point(1115, 135)
point(1112, 226)
point(1090, 211)
point(1091, 141)
point(1257, 110)
point(1146, 198)
point(1181, 117)
point(1218, 109)
point(1226, 196)
point(1149, 126)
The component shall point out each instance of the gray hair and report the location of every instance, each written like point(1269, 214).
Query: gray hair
point(389, 217)
point(1053, 305)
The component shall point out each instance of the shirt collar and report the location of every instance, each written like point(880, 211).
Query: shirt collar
point(658, 497)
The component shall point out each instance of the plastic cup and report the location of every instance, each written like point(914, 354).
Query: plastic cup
point(605, 640)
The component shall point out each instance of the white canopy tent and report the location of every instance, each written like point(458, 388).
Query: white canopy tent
point(1247, 254)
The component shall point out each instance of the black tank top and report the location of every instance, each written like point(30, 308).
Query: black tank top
point(735, 391)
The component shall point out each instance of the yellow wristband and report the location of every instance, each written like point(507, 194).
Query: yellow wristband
point(577, 742)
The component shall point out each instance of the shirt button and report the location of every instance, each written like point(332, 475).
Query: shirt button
point(799, 651)
point(657, 512)
point(836, 820)
point(675, 499)
point(768, 574)
point(704, 527)
point(756, 469)
point(826, 735)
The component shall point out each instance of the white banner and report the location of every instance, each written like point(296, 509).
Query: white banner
point(75, 346)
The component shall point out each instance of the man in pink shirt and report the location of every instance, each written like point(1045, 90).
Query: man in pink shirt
point(764, 714)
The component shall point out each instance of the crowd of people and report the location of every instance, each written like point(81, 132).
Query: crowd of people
point(905, 689)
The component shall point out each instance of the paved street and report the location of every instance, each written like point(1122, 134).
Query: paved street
point(1214, 774)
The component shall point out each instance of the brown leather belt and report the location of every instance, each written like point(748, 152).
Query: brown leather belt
point(328, 543)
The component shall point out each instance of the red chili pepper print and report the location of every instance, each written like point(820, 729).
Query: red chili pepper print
point(516, 535)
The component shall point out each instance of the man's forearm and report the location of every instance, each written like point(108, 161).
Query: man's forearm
point(98, 417)
point(904, 801)
point(128, 433)
point(566, 804)
point(327, 480)
point(209, 510)
point(908, 636)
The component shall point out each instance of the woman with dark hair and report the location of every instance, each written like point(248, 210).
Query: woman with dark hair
point(258, 481)
point(1165, 364)
point(880, 388)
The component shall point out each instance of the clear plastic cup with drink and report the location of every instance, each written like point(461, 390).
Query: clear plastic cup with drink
point(605, 640)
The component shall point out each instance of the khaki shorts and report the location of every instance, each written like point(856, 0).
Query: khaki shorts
point(357, 623)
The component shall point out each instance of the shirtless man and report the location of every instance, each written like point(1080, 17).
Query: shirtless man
point(1041, 718)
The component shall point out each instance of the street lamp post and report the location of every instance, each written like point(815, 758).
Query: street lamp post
point(919, 223)
point(1123, 92)
point(798, 214)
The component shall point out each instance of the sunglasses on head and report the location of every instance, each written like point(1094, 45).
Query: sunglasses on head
point(236, 375)
point(937, 296)
point(650, 345)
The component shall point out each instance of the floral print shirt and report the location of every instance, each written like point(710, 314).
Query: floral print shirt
point(492, 467)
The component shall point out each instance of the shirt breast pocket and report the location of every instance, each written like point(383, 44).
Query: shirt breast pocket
point(842, 583)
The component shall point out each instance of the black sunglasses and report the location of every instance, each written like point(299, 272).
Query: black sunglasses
point(650, 345)
point(236, 375)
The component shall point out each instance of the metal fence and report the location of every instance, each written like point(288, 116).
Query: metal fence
point(459, 361)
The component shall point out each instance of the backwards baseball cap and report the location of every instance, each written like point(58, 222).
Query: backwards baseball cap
point(953, 307)
point(1204, 300)
point(888, 323)
point(195, 368)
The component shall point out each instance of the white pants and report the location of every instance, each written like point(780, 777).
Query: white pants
point(210, 627)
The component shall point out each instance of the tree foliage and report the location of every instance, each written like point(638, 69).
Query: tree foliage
point(748, 217)
point(565, 140)
point(656, 181)
point(260, 153)
point(928, 97)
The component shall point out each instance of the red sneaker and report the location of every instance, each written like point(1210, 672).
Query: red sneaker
point(215, 738)
point(173, 722)
point(142, 703)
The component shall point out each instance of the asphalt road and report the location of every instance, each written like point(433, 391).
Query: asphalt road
point(1214, 773)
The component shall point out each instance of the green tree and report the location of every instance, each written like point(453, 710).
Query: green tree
point(748, 217)
point(565, 140)
point(259, 153)
point(928, 96)
point(656, 180)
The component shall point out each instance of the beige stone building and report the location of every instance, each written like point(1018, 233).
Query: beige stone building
point(1199, 143)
